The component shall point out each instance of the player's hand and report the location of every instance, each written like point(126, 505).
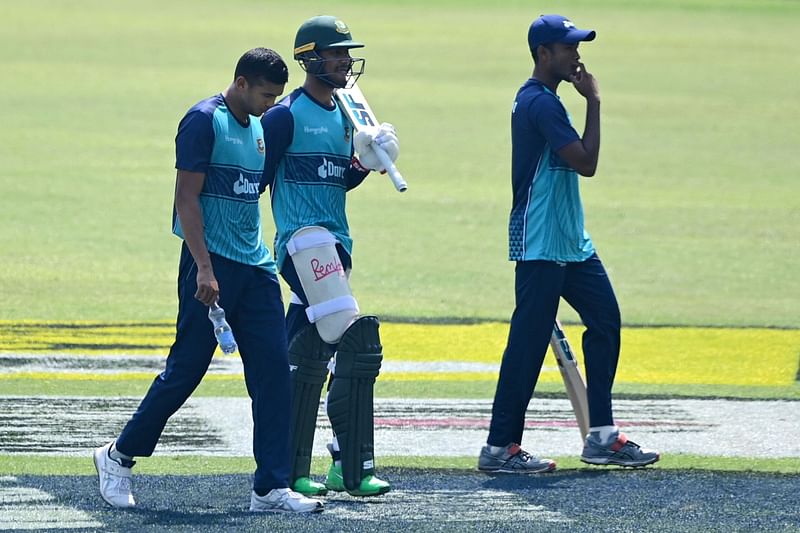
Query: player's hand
point(385, 137)
point(207, 286)
point(585, 83)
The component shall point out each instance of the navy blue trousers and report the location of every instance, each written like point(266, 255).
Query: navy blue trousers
point(251, 298)
point(539, 285)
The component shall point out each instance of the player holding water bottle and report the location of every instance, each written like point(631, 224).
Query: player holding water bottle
point(224, 264)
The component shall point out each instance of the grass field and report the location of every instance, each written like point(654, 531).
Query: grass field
point(191, 465)
point(694, 209)
point(664, 362)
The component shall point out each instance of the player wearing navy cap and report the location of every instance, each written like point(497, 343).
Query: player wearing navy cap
point(555, 257)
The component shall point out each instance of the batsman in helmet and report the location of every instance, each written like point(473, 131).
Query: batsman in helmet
point(311, 164)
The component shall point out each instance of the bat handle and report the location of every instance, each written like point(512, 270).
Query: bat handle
point(399, 183)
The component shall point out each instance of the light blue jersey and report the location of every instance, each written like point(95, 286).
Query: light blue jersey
point(231, 154)
point(308, 168)
point(546, 221)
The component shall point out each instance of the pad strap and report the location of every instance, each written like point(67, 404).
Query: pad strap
point(310, 240)
point(329, 307)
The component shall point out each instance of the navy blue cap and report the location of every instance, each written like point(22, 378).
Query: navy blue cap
point(556, 29)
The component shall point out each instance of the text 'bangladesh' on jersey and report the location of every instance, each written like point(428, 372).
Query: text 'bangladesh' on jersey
point(231, 154)
point(546, 221)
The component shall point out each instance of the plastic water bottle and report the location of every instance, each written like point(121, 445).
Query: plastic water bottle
point(222, 330)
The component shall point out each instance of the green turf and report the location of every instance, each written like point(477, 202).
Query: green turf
point(22, 464)
point(694, 209)
point(234, 387)
point(667, 362)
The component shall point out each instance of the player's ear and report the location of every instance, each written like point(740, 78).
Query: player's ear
point(542, 52)
point(240, 82)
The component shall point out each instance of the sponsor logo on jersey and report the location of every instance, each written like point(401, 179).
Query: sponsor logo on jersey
point(319, 130)
point(233, 140)
point(329, 169)
point(243, 186)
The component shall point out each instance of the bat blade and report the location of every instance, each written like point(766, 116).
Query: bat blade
point(573, 380)
point(361, 116)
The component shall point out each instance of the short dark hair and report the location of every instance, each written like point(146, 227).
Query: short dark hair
point(262, 64)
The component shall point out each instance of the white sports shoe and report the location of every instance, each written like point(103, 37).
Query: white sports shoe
point(115, 479)
point(284, 501)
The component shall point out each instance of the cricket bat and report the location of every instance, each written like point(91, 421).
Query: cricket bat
point(573, 380)
point(361, 116)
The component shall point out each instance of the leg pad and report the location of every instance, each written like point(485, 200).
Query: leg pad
point(308, 362)
point(350, 398)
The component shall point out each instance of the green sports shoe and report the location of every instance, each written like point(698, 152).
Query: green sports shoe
point(308, 487)
point(370, 485)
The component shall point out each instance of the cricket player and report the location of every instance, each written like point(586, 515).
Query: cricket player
point(310, 167)
point(219, 159)
point(555, 257)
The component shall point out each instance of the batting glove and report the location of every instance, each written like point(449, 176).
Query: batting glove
point(385, 137)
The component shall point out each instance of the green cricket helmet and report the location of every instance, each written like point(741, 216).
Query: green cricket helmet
point(325, 33)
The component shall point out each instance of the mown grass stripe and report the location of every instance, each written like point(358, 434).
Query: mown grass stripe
point(100, 377)
point(231, 385)
point(663, 355)
point(29, 464)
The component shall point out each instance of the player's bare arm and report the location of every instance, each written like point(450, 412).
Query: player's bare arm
point(187, 204)
point(582, 155)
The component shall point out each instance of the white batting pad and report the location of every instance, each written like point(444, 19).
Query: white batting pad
point(332, 307)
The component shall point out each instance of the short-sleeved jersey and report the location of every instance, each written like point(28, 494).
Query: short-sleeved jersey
point(308, 168)
point(546, 221)
point(231, 154)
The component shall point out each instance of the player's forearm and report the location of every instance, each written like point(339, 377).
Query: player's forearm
point(191, 219)
point(591, 137)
